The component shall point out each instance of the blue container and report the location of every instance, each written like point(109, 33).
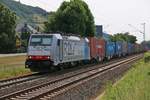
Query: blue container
point(118, 48)
point(86, 50)
point(110, 49)
point(133, 49)
point(124, 48)
point(130, 48)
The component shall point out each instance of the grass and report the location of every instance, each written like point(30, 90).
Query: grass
point(12, 61)
point(135, 85)
point(12, 66)
point(9, 72)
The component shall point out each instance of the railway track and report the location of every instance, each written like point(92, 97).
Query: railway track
point(7, 83)
point(53, 87)
point(19, 80)
point(12, 87)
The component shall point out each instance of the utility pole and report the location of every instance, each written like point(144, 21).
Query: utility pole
point(144, 30)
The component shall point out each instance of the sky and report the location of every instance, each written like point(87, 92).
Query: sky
point(115, 15)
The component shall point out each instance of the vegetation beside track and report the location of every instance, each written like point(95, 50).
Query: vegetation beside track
point(135, 85)
point(12, 66)
point(12, 61)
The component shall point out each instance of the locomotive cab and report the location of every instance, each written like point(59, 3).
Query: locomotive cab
point(42, 49)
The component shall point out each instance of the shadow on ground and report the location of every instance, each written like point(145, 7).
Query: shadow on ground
point(148, 73)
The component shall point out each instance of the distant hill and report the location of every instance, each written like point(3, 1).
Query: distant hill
point(26, 13)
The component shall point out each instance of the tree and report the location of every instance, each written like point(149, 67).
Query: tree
point(124, 37)
point(7, 30)
point(72, 17)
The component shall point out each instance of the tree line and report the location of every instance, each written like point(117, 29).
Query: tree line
point(7, 30)
point(123, 37)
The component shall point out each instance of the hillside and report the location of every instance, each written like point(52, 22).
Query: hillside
point(26, 13)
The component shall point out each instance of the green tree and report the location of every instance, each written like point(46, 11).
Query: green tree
point(25, 35)
point(72, 17)
point(24, 39)
point(124, 37)
point(7, 30)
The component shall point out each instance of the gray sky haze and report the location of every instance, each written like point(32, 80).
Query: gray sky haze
point(114, 15)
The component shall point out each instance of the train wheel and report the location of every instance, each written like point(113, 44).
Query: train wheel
point(58, 68)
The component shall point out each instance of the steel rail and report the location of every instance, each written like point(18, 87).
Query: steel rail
point(74, 79)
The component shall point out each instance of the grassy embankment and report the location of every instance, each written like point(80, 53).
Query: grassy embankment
point(12, 66)
point(135, 85)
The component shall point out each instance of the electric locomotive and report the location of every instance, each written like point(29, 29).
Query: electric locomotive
point(46, 51)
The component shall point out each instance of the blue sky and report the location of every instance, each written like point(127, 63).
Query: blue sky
point(114, 15)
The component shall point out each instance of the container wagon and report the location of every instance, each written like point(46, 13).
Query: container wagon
point(109, 49)
point(97, 48)
point(118, 49)
point(129, 48)
point(124, 48)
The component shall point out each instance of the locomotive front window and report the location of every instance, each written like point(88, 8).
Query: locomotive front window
point(41, 40)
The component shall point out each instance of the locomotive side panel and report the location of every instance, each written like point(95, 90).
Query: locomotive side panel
point(72, 51)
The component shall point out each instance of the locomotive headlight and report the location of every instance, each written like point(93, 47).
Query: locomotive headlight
point(48, 57)
point(29, 57)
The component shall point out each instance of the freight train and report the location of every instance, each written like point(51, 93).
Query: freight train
point(48, 51)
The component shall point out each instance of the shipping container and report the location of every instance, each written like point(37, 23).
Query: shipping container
point(137, 48)
point(118, 49)
point(131, 48)
point(141, 48)
point(99, 31)
point(110, 49)
point(124, 48)
point(97, 48)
